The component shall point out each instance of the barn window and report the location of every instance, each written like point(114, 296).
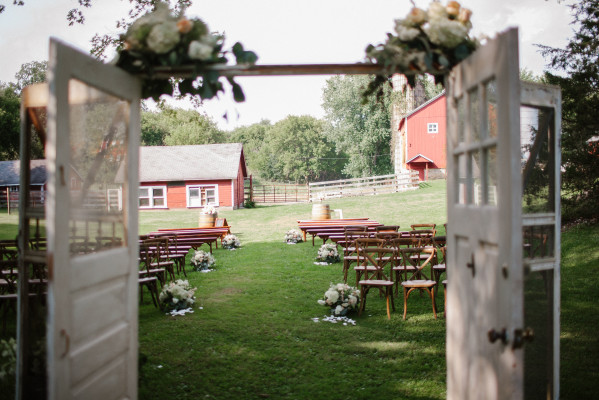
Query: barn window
point(202, 195)
point(152, 197)
point(433, 127)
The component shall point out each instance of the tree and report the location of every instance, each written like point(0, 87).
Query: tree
point(253, 138)
point(580, 102)
point(29, 73)
point(176, 126)
point(10, 125)
point(10, 114)
point(360, 129)
point(295, 149)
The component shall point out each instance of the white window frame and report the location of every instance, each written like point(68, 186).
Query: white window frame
point(151, 197)
point(432, 127)
point(214, 187)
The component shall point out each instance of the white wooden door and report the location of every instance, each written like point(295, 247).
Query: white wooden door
point(485, 289)
point(92, 148)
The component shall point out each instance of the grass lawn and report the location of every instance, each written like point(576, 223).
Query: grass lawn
point(254, 336)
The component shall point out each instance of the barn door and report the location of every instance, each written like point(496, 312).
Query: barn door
point(485, 288)
point(92, 151)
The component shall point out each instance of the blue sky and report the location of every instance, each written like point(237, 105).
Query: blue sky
point(281, 32)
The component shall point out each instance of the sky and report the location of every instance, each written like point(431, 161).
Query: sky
point(280, 32)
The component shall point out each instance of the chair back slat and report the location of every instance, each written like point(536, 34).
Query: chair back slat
point(416, 259)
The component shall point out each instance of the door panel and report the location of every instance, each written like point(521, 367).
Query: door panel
point(484, 291)
point(93, 139)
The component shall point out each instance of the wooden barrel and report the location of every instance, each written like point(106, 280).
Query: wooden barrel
point(321, 211)
point(207, 220)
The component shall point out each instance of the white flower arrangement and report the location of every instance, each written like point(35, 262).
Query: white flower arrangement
point(177, 295)
point(341, 299)
point(328, 253)
point(202, 260)
point(231, 242)
point(162, 39)
point(425, 41)
point(293, 236)
point(209, 210)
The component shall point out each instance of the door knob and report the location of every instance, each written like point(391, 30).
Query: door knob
point(495, 335)
point(521, 336)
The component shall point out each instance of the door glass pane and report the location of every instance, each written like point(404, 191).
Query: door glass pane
point(194, 193)
point(474, 116)
point(538, 241)
point(462, 181)
point(477, 197)
point(538, 316)
point(491, 94)
point(538, 154)
point(490, 155)
point(461, 120)
point(98, 138)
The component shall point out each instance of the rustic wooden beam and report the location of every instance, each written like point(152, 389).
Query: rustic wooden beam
point(272, 70)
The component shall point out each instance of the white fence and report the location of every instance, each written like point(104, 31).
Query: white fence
point(364, 186)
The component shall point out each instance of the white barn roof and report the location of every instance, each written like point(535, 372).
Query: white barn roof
point(193, 162)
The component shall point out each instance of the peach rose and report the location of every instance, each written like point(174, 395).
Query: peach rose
point(453, 8)
point(464, 15)
point(184, 25)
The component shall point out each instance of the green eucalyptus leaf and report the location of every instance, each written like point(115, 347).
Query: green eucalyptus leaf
point(238, 95)
point(461, 52)
point(443, 61)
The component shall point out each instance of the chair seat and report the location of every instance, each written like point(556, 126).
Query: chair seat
point(376, 282)
point(402, 268)
point(365, 268)
point(418, 283)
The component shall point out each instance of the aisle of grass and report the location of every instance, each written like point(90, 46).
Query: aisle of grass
point(255, 337)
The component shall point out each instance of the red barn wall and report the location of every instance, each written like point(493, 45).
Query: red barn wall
point(176, 192)
point(431, 145)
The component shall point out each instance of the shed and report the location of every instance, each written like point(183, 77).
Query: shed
point(192, 176)
point(420, 139)
point(10, 180)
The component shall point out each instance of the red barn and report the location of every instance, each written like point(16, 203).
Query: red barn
point(192, 176)
point(420, 140)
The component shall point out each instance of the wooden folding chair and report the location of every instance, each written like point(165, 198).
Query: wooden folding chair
point(417, 278)
point(350, 255)
point(371, 256)
point(148, 276)
point(364, 268)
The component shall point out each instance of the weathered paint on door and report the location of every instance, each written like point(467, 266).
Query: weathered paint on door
point(93, 127)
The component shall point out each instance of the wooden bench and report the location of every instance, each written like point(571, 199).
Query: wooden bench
point(324, 228)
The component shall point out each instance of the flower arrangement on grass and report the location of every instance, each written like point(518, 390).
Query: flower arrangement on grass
point(162, 39)
point(431, 41)
point(328, 253)
point(293, 236)
point(208, 210)
point(341, 299)
point(177, 295)
point(202, 260)
point(231, 242)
